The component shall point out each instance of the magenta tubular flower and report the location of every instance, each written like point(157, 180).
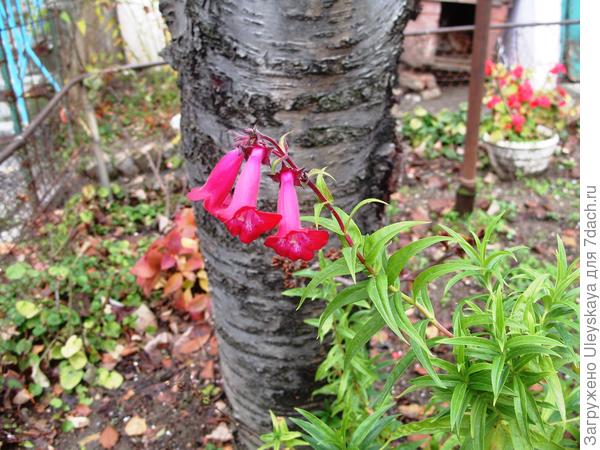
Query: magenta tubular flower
point(240, 216)
point(291, 240)
point(215, 192)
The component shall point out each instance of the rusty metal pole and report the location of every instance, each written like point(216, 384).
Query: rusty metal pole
point(465, 196)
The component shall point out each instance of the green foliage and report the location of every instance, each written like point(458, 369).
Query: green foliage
point(281, 437)
point(511, 381)
point(130, 105)
point(435, 134)
point(65, 306)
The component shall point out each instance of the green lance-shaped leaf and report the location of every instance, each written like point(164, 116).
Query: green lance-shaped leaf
point(362, 336)
point(524, 344)
point(433, 273)
point(520, 406)
point(423, 355)
point(319, 432)
point(393, 376)
point(349, 295)
point(370, 428)
point(362, 203)
point(461, 241)
point(555, 388)
point(335, 269)
point(458, 406)
point(487, 235)
point(379, 239)
point(399, 259)
point(324, 222)
point(349, 254)
point(498, 375)
point(395, 317)
point(472, 341)
point(427, 426)
point(478, 423)
point(377, 289)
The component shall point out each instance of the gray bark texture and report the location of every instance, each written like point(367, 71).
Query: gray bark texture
point(322, 69)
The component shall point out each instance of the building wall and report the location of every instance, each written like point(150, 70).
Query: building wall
point(536, 48)
point(142, 29)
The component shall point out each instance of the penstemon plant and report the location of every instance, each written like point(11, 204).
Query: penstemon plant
point(511, 382)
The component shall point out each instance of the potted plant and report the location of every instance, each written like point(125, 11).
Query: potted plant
point(521, 128)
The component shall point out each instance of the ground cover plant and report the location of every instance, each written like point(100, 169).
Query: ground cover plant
point(61, 315)
point(511, 379)
point(435, 134)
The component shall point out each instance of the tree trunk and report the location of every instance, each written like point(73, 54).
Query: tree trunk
point(323, 70)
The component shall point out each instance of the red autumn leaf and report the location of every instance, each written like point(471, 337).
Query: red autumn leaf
point(186, 222)
point(194, 263)
point(173, 242)
point(173, 284)
point(167, 261)
point(197, 306)
point(143, 269)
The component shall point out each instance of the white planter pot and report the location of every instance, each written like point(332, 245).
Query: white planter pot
point(507, 158)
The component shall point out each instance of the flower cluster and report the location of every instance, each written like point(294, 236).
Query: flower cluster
point(517, 109)
point(238, 211)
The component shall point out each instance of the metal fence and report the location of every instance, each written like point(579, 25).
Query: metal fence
point(29, 60)
point(43, 161)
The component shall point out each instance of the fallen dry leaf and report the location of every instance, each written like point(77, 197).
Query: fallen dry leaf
point(441, 205)
point(213, 348)
point(109, 437)
point(413, 411)
point(220, 434)
point(436, 182)
point(89, 439)
point(419, 214)
point(136, 426)
point(419, 369)
point(208, 372)
point(189, 342)
point(569, 241)
point(79, 421)
point(22, 397)
point(432, 332)
point(81, 410)
point(130, 393)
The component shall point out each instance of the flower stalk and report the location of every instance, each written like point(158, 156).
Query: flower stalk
point(288, 163)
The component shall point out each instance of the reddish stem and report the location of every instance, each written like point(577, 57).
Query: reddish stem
point(286, 160)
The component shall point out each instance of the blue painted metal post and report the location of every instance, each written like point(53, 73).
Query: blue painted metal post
point(570, 39)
